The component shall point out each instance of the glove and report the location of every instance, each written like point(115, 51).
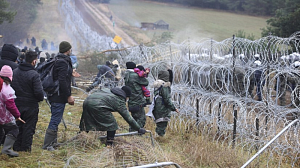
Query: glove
point(142, 131)
point(89, 88)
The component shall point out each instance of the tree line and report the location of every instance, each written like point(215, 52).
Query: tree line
point(254, 7)
point(16, 17)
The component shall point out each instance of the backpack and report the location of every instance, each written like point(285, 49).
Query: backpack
point(46, 74)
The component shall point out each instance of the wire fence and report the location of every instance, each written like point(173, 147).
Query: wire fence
point(238, 91)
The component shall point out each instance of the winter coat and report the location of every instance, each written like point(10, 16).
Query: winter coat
point(133, 81)
point(163, 102)
point(98, 107)
point(27, 85)
point(8, 109)
point(63, 72)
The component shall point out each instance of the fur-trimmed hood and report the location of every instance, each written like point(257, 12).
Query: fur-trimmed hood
point(159, 83)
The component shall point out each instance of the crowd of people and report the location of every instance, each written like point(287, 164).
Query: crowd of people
point(21, 91)
point(33, 43)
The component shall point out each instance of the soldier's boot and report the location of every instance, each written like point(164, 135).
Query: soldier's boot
point(110, 138)
point(109, 142)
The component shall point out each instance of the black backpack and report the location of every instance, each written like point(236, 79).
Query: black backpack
point(46, 74)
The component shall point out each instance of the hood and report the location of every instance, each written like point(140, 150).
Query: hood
point(159, 83)
point(119, 92)
point(9, 52)
point(164, 75)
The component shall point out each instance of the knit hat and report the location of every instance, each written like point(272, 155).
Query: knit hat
point(6, 71)
point(141, 68)
point(127, 90)
point(108, 63)
point(163, 75)
point(9, 52)
point(130, 65)
point(64, 46)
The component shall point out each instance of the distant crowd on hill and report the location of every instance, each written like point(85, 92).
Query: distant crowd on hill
point(33, 43)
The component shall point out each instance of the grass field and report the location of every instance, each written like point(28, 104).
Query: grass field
point(187, 22)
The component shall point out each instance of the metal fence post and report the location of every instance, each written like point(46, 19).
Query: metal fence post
point(234, 125)
point(219, 118)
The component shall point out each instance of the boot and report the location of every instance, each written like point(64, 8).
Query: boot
point(50, 139)
point(8, 143)
point(110, 138)
point(109, 143)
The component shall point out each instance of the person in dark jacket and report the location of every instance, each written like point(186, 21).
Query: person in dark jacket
point(33, 41)
point(62, 71)
point(104, 71)
point(98, 108)
point(9, 56)
point(29, 92)
point(136, 101)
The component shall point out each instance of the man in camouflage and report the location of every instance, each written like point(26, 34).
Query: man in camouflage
point(98, 108)
point(136, 101)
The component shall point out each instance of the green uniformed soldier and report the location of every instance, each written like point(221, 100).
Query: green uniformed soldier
point(98, 108)
point(163, 103)
point(136, 101)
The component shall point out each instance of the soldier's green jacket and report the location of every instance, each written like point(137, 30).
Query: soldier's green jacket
point(163, 102)
point(135, 82)
point(98, 108)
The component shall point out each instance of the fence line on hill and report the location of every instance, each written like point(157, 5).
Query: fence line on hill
point(217, 87)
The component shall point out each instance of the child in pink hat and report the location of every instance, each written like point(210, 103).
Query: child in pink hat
point(9, 113)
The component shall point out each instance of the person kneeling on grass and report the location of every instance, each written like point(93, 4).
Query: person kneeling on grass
point(97, 112)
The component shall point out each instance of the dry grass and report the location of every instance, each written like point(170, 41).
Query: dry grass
point(186, 148)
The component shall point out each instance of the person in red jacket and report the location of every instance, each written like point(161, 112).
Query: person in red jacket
point(9, 112)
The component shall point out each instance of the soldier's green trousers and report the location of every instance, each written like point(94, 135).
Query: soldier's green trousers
point(139, 117)
point(161, 128)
